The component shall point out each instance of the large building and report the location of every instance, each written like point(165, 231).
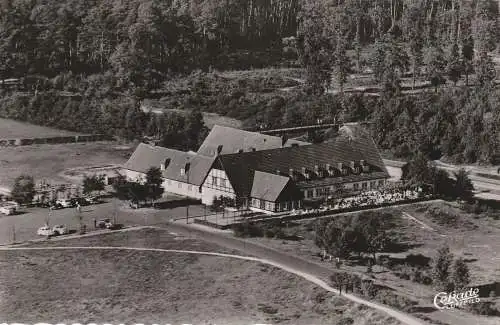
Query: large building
point(264, 172)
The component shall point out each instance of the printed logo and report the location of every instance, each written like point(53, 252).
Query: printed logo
point(445, 300)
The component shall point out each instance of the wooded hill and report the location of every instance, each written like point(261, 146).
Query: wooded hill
point(105, 56)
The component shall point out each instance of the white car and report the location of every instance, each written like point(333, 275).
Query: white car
point(65, 203)
point(45, 231)
point(59, 230)
point(8, 210)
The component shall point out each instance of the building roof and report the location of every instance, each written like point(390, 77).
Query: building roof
point(267, 186)
point(146, 156)
point(240, 167)
point(232, 140)
point(199, 166)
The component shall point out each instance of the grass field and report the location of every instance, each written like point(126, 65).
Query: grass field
point(50, 161)
point(10, 129)
point(476, 238)
point(154, 287)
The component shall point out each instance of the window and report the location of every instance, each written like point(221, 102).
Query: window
point(262, 204)
point(310, 193)
point(381, 182)
point(183, 171)
point(222, 182)
point(364, 185)
point(190, 188)
point(373, 184)
point(179, 185)
point(214, 180)
point(356, 186)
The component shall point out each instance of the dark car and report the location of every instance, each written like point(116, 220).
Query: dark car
point(81, 201)
point(105, 223)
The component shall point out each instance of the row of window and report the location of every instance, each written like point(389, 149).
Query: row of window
point(274, 206)
point(325, 191)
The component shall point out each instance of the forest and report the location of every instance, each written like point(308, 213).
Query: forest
point(86, 65)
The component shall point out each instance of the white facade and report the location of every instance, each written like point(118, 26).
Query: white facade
point(181, 188)
point(133, 176)
point(216, 184)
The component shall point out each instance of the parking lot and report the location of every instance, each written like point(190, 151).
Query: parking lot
point(23, 226)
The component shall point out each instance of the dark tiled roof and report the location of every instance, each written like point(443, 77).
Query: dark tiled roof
point(233, 140)
point(146, 156)
point(268, 186)
point(241, 167)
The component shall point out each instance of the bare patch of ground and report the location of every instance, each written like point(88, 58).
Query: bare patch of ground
point(50, 161)
point(11, 129)
point(154, 287)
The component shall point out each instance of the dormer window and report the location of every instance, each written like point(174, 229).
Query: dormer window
point(183, 172)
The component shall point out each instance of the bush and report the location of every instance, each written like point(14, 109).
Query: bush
point(388, 298)
point(368, 288)
point(483, 308)
point(248, 230)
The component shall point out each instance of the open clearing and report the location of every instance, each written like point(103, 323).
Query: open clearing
point(10, 129)
point(155, 287)
point(50, 161)
point(476, 238)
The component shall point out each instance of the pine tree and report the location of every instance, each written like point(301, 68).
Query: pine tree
point(441, 269)
point(460, 277)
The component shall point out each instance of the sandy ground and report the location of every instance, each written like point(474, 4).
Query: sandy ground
point(11, 129)
point(156, 287)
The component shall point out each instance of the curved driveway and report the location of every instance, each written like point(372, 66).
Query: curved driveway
point(406, 319)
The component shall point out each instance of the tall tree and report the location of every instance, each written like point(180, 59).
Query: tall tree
point(441, 269)
point(23, 191)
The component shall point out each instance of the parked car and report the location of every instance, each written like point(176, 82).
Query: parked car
point(81, 201)
point(92, 200)
point(8, 210)
point(105, 223)
point(66, 203)
point(45, 231)
point(59, 230)
point(56, 206)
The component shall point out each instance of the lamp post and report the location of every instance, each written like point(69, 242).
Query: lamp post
point(186, 168)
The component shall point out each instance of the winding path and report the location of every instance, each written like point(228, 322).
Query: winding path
point(406, 319)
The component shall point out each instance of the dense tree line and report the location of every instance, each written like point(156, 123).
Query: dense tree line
point(141, 42)
point(422, 36)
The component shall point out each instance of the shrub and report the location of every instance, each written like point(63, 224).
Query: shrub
point(483, 308)
point(346, 321)
point(247, 229)
point(268, 309)
point(388, 298)
point(368, 288)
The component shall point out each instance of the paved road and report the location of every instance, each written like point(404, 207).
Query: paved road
point(405, 319)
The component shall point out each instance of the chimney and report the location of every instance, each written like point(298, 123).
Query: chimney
point(219, 149)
